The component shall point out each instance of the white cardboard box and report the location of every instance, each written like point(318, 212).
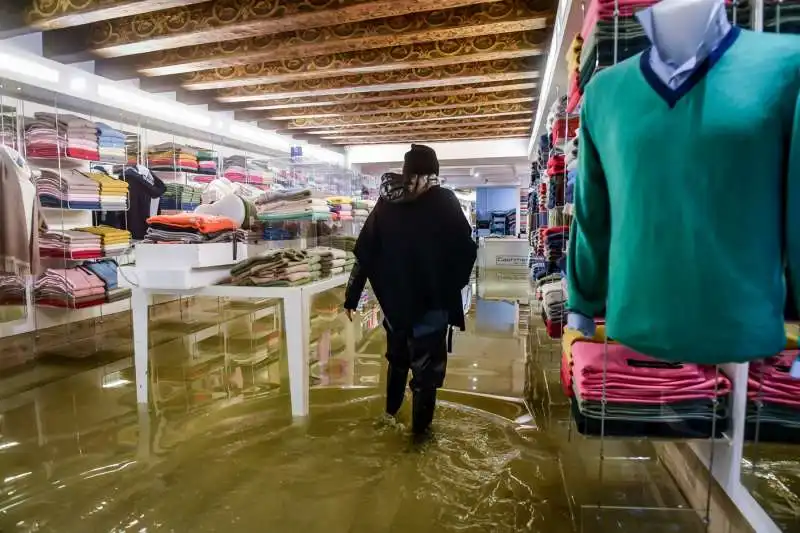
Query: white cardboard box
point(175, 279)
point(507, 253)
point(188, 256)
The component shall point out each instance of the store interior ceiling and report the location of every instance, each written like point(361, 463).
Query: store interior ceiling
point(332, 72)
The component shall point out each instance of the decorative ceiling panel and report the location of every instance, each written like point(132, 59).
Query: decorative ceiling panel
point(42, 15)
point(505, 130)
point(376, 97)
point(460, 74)
point(433, 138)
point(413, 116)
point(223, 20)
point(403, 126)
point(418, 56)
point(392, 106)
point(470, 21)
point(332, 71)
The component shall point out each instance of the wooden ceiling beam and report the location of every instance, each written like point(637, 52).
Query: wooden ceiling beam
point(418, 56)
point(413, 116)
point(451, 75)
point(441, 131)
point(221, 20)
point(25, 16)
point(432, 138)
point(375, 97)
point(417, 126)
point(395, 106)
point(469, 21)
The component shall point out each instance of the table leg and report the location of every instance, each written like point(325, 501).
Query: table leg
point(295, 314)
point(140, 343)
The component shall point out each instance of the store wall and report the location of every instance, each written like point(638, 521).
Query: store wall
point(496, 199)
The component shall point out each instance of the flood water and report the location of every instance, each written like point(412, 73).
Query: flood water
point(219, 451)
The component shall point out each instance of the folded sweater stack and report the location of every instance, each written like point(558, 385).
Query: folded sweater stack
point(278, 268)
point(74, 288)
point(362, 208)
point(574, 93)
point(332, 260)
point(68, 190)
point(12, 290)
point(178, 197)
point(341, 207)
point(343, 242)
point(620, 392)
point(50, 137)
point(70, 244)
point(192, 228)
point(111, 144)
point(207, 162)
point(80, 137)
point(292, 205)
point(43, 139)
point(113, 241)
point(553, 301)
point(107, 271)
point(171, 157)
point(113, 191)
point(240, 169)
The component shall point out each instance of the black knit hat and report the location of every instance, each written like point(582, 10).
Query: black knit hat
point(421, 160)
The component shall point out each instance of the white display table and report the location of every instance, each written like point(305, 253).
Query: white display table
point(296, 312)
point(503, 253)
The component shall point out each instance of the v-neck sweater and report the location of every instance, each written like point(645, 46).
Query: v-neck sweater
point(661, 237)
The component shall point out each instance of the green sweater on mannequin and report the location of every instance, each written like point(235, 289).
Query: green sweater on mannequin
point(687, 203)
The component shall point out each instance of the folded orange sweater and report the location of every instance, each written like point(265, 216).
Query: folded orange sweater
point(200, 222)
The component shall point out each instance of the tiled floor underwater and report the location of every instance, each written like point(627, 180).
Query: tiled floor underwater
point(218, 450)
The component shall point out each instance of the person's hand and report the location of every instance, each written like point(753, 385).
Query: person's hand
point(349, 313)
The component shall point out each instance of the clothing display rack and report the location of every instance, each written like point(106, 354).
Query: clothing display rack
point(729, 412)
point(81, 168)
point(503, 222)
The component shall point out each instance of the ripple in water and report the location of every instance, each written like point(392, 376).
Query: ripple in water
point(253, 469)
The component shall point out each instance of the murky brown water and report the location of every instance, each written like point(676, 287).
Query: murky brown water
point(219, 451)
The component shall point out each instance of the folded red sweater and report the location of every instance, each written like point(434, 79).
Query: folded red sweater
point(554, 328)
point(565, 128)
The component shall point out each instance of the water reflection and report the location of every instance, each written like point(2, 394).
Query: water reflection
point(219, 450)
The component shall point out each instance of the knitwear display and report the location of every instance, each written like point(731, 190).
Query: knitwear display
point(111, 144)
point(172, 157)
point(637, 395)
point(70, 244)
point(51, 136)
point(179, 197)
point(67, 190)
point(729, 307)
point(292, 205)
point(112, 240)
point(277, 268)
point(113, 191)
point(192, 228)
point(74, 288)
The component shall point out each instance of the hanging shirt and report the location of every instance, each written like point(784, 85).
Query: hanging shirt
point(672, 73)
point(662, 238)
